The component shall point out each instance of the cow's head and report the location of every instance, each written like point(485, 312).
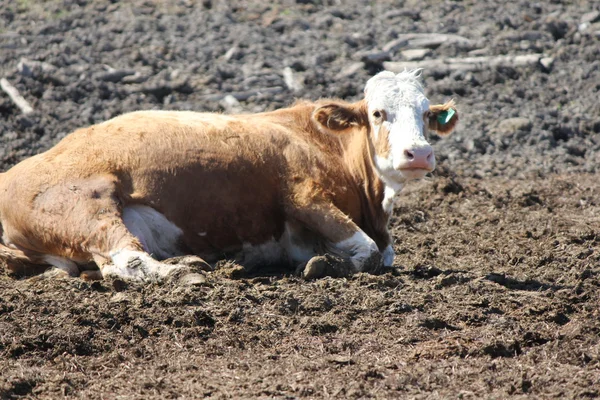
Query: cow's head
point(398, 115)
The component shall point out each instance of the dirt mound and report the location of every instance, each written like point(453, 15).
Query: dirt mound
point(496, 287)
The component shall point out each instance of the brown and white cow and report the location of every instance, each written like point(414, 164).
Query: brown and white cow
point(284, 186)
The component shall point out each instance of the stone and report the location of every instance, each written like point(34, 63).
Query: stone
point(590, 17)
point(547, 63)
point(512, 125)
point(415, 54)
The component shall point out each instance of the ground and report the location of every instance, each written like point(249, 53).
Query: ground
point(495, 291)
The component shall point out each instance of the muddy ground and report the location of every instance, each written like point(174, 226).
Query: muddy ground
point(496, 287)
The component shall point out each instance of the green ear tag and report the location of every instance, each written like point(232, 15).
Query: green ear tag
point(445, 116)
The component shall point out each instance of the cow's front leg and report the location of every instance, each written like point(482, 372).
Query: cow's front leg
point(388, 256)
point(348, 248)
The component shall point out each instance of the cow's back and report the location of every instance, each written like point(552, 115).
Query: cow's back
point(223, 180)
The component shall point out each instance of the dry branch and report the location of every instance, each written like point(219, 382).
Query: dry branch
point(14, 95)
point(241, 96)
point(445, 65)
point(292, 81)
point(427, 40)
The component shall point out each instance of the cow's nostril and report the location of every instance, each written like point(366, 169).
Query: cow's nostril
point(409, 154)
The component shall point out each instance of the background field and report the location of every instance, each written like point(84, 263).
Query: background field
point(496, 290)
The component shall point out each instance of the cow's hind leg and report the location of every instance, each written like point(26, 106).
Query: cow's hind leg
point(20, 264)
point(123, 256)
point(87, 219)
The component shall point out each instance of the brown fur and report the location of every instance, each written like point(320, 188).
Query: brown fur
point(239, 179)
point(433, 123)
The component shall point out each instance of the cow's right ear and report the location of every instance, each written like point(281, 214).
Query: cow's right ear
point(336, 117)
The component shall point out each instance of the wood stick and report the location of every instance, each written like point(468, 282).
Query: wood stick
point(444, 65)
point(241, 96)
point(14, 95)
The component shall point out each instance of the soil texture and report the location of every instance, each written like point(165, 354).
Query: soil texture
point(495, 291)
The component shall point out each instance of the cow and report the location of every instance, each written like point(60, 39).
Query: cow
point(311, 186)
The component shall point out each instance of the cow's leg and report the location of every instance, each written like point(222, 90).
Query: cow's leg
point(349, 248)
point(22, 264)
point(84, 220)
point(120, 255)
point(388, 256)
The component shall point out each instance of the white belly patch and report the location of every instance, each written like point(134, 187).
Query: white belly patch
point(159, 236)
point(294, 247)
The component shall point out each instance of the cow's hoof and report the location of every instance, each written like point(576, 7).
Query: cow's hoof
point(374, 264)
point(192, 262)
point(326, 265)
point(91, 275)
point(183, 275)
point(192, 279)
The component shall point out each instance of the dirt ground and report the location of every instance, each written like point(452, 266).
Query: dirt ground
point(496, 287)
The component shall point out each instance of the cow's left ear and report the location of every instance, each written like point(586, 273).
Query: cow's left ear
point(337, 117)
point(442, 118)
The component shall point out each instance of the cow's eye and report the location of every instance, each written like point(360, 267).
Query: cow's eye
point(377, 114)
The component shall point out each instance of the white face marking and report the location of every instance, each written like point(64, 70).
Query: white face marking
point(158, 235)
point(359, 247)
point(388, 256)
point(402, 99)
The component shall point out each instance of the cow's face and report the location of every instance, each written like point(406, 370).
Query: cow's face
point(399, 115)
point(396, 115)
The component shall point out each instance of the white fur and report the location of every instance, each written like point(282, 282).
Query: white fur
point(359, 247)
point(403, 99)
point(389, 194)
point(136, 265)
point(293, 246)
point(269, 252)
point(158, 235)
point(296, 245)
point(388, 256)
point(63, 264)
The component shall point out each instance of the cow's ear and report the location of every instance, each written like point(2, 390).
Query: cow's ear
point(337, 117)
point(442, 118)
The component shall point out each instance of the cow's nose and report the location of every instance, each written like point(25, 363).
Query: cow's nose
point(419, 158)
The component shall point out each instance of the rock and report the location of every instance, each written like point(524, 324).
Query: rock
point(557, 28)
point(415, 54)
point(395, 44)
point(350, 70)
point(135, 78)
point(231, 105)
point(590, 17)
point(120, 297)
point(429, 40)
point(374, 57)
point(192, 280)
point(34, 68)
point(403, 12)
point(233, 52)
point(292, 81)
point(115, 75)
point(41, 71)
point(512, 125)
point(547, 63)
